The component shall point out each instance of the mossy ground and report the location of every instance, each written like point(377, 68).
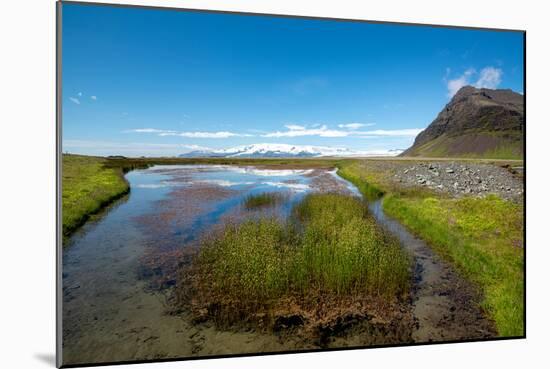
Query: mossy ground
point(87, 186)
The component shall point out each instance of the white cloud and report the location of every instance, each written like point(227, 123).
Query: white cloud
point(453, 85)
point(295, 127)
point(412, 132)
point(355, 125)
point(299, 131)
point(148, 130)
point(293, 130)
point(93, 97)
point(164, 132)
point(324, 131)
point(79, 94)
point(489, 78)
point(75, 100)
point(196, 148)
point(220, 134)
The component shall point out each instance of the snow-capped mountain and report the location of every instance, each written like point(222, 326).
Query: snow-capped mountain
point(268, 150)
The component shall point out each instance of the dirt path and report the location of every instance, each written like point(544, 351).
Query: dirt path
point(445, 306)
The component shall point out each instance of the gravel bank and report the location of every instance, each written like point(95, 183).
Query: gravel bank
point(457, 178)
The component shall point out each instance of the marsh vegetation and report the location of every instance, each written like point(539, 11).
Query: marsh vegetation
point(329, 249)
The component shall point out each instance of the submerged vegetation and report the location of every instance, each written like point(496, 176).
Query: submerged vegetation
point(88, 185)
point(264, 199)
point(481, 237)
point(329, 247)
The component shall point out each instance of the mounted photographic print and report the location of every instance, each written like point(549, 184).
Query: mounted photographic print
point(243, 184)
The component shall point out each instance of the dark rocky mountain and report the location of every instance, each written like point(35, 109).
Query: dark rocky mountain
point(476, 122)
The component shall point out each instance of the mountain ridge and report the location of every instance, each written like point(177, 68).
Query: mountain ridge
point(477, 122)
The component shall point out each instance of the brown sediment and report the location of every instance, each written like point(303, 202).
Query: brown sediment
point(326, 182)
point(315, 172)
point(181, 206)
point(169, 230)
point(446, 306)
point(314, 320)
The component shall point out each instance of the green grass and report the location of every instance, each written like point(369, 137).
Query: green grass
point(482, 237)
point(329, 246)
point(343, 250)
point(366, 182)
point(265, 199)
point(248, 260)
point(87, 187)
point(509, 146)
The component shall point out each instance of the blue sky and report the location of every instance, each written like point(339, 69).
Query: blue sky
point(159, 82)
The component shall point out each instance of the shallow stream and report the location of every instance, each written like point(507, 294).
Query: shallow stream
point(112, 310)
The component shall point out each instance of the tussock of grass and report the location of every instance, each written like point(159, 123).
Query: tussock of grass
point(484, 238)
point(264, 199)
point(87, 187)
point(330, 246)
point(344, 251)
point(249, 261)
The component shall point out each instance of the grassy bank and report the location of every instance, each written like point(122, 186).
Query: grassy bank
point(330, 247)
point(483, 238)
point(88, 186)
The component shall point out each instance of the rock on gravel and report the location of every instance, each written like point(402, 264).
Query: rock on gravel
point(459, 178)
